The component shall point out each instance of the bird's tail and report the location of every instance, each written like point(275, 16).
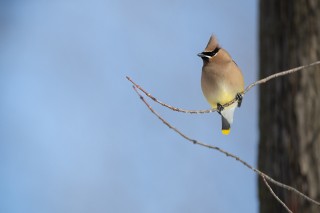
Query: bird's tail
point(225, 126)
point(227, 118)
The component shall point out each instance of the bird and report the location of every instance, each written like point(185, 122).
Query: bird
point(221, 81)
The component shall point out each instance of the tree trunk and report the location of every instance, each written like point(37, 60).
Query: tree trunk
point(289, 149)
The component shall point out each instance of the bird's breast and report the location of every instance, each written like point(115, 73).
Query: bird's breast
point(220, 85)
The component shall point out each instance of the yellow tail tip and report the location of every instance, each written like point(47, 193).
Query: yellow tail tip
point(225, 131)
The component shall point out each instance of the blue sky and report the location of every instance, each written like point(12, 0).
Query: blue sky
point(74, 137)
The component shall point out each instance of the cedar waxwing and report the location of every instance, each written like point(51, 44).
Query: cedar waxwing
point(221, 81)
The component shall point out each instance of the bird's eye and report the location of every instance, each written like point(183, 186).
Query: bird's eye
point(208, 53)
point(215, 51)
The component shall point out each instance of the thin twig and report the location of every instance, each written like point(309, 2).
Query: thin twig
point(262, 81)
point(226, 153)
point(167, 105)
point(275, 196)
point(279, 74)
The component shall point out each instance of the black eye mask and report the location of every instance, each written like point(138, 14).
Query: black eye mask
point(212, 53)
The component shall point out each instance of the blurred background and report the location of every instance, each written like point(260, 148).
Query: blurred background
point(74, 137)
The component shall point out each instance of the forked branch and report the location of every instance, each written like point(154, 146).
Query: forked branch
point(264, 176)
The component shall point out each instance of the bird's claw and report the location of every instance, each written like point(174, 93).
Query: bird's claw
point(219, 108)
point(239, 98)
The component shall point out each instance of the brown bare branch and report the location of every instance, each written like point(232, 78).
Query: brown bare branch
point(275, 196)
point(261, 81)
point(264, 176)
point(228, 154)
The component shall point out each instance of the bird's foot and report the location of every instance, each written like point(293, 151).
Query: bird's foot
point(219, 108)
point(239, 98)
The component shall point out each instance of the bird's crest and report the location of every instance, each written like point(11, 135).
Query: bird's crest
point(212, 44)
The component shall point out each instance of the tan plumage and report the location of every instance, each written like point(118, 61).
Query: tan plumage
point(221, 80)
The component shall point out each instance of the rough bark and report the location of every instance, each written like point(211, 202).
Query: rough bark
point(289, 147)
